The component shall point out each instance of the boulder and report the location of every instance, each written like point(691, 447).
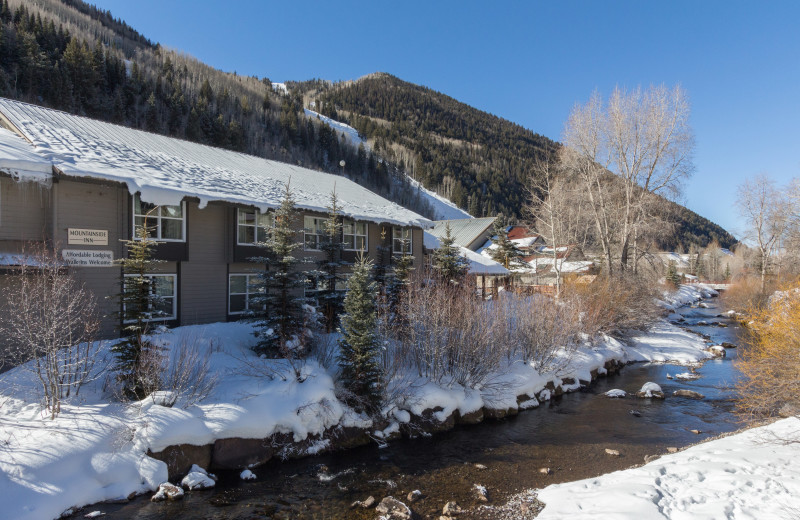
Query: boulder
point(247, 475)
point(615, 393)
point(717, 350)
point(691, 394)
point(471, 417)
point(481, 494)
point(167, 491)
point(414, 496)
point(728, 345)
point(198, 478)
point(346, 437)
point(182, 457)
point(237, 453)
point(429, 422)
point(394, 509)
point(650, 390)
point(451, 509)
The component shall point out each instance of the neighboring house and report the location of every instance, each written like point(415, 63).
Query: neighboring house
point(85, 185)
point(570, 261)
point(489, 275)
point(471, 233)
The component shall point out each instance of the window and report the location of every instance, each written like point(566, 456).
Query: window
point(401, 240)
point(252, 226)
point(354, 235)
point(164, 305)
point(314, 233)
point(316, 283)
point(165, 223)
point(241, 292)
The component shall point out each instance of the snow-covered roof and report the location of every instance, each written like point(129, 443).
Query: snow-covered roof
point(165, 170)
point(464, 230)
point(18, 159)
point(478, 264)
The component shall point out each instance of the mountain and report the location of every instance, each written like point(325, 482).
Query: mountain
point(413, 145)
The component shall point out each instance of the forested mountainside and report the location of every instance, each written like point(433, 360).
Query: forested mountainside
point(74, 57)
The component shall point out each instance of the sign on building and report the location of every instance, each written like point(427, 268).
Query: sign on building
point(88, 237)
point(87, 258)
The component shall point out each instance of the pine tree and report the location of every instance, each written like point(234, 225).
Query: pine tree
point(447, 261)
point(359, 346)
point(672, 276)
point(330, 266)
point(136, 356)
point(506, 251)
point(727, 272)
point(396, 286)
point(280, 315)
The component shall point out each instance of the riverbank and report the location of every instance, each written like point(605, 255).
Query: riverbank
point(749, 474)
point(99, 450)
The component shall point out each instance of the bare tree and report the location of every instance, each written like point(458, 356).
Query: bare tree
point(642, 136)
point(767, 212)
point(50, 321)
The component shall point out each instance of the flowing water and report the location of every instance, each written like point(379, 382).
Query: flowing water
point(568, 435)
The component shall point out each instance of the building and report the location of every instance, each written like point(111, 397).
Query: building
point(471, 233)
point(84, 185)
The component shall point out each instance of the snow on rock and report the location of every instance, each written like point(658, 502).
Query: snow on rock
point(247, 475)
point(616, 392)
point(167, 491)
point(749, 475)
point(198, 478)
point(687, 376)
point(686, 294)
point(651, 390)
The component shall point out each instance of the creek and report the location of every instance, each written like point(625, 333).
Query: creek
point(568, 434)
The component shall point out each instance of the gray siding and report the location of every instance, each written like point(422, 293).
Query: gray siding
point(24, 207)
point(204, 279)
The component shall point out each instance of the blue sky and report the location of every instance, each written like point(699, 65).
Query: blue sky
point(530, 62)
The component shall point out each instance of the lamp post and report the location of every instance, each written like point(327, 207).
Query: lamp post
point(342, 163)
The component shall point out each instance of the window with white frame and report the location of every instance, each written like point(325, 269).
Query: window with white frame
point(354, 235)
point(401, 240)
point(314, 233)
point(242, 290)
point(164, 304)
point(252, 226)
point(165, 223)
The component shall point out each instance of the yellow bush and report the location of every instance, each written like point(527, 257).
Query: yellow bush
point(770, 362)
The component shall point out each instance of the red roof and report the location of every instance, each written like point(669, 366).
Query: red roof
point(517, 232)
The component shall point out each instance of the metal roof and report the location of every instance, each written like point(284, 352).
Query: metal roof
point(164, 170)
point(464, 230)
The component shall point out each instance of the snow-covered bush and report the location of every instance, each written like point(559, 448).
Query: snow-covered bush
point(187, 373)
point(50, 322)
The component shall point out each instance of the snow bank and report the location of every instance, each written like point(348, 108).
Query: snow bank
point(749, 475)
point(686, 294)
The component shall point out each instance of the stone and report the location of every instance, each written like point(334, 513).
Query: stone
point(650, 458)
point(495, 413)
point(366, 504)
point(616, 393)
point(696, 432)
point(672, 450)
point(728, 345)
point(650, 390)
point(429, 422)
point(545, 471)
point(180, 458)
point(635, 413)
point(94, 514)
point(480, 466)
point(614, 453)
point(691, 394)
point(198, 478)
point(167, 491)
point(347, 437)
point(717, 350)
point(237, 453)
point(414, 496)
point(481, 493)
point(394, 509)
point(451, 509)
point(471, 417)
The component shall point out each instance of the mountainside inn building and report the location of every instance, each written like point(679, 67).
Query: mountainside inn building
point(84, 185)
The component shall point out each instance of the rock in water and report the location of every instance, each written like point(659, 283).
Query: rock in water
point(369, 502)
point(481, 493)
point(616, 392)
point(672, 450)
point(247, 475)
point(451, 509)
point(650, 390)
point(635, 413)
point(614, 453)
point(394, 509)
point(198, 478)
point(167, 491)
point(414, 496)
point(545, 471)
point(691, 394)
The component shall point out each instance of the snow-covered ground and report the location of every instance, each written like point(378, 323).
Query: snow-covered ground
point(96, 449)
point(749, 475)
